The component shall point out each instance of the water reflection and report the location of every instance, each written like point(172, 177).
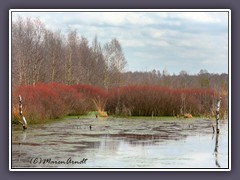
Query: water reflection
point(139, 139)
point(21, 139)
point(216, 151)
point(124, 143)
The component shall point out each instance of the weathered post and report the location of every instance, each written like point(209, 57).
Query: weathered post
point(217, 132)
point(217, 114)
point(216, 151)
point(24, 121)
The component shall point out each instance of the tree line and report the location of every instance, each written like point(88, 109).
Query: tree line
point(183, 80)
point(43, 55)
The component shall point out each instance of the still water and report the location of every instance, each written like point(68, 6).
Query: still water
point(121, 143)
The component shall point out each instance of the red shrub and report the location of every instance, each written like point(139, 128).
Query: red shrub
point(90, 91)
point(159, 101)
point(53, 100)
point(75, 102)
point(39, 102)
point(48, 101)
point(95, 96)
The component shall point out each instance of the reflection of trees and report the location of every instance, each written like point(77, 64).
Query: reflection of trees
point(216, 151)
point(111, 142)
point(142, 140)
point(138, 139)
point(110, 146)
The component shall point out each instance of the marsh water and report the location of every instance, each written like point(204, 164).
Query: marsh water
point(121, 143)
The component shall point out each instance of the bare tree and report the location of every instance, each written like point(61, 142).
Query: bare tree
point(53, 57)
point(36, 50)
point(115, 61)
point(99, 65)
point(71, 51)
point(84, 63)
point(28, 49)
point(17, 52)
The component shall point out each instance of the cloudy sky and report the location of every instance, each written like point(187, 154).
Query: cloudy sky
point(173, 41)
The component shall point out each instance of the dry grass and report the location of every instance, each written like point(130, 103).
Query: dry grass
point(100, 105)
point(102, 114)
point(188, 115)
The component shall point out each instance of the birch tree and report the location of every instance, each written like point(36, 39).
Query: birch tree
point(71, 49)
point(28, 49)
point(99, 65)
point(53, 58)
point(115, 61)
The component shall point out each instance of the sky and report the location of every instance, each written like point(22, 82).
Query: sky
point(170, 41)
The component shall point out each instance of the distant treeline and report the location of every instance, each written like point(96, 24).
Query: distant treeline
point(41, 55)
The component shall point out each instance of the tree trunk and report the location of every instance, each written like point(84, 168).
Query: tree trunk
point(24, 122)
point(217, 114)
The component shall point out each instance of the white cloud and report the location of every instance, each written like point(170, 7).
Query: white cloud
point(132, 43)
point(119, 18)
point(202, 17)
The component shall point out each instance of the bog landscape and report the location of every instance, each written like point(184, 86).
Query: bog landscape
point(75, 105)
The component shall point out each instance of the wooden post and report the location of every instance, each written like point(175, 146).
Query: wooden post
point(217, 114)
point(216, 151)
point(24, 121)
